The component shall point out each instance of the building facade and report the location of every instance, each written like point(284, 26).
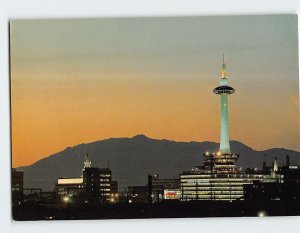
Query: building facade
point(94, 185)
point(200, 184)
point(105, 184)
point(137, 194)
point(165, 189)
point(17, 185)
point(288, 189)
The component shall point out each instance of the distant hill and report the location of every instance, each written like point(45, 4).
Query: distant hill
point(132, 159)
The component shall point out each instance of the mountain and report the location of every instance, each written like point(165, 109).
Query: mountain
point(132, 159)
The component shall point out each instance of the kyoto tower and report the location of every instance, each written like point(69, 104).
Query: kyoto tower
point(224, 90)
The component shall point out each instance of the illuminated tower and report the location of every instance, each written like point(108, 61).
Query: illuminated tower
point(275, 165)
point(224, 90)
point(87, 163)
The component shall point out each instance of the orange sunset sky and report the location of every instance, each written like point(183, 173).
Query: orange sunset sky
point(83, 80)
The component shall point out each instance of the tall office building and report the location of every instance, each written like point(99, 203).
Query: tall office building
point(105, 184)
point(93, 185)
point(17, 181)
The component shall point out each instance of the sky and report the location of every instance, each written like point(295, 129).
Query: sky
point(76, 81)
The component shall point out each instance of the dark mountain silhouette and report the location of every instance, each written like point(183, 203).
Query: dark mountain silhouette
point(132, 159)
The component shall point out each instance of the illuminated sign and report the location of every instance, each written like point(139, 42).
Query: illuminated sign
point(172, 194)
point(70, 180)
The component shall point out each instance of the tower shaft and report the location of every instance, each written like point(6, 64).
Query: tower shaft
point(224, 137)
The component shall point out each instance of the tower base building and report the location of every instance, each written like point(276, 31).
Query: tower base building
point(220, 182)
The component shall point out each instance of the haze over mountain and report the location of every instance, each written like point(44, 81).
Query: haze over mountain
point(132, 159)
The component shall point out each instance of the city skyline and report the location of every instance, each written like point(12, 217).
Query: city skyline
point(87, 80)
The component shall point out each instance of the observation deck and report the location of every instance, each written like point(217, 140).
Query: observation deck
point(224, 89)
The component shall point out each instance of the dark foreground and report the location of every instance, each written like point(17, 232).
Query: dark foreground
point(166, 209)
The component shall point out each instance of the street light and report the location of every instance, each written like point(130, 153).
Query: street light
point(262, 214)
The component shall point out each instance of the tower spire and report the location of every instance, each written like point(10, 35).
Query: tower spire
point(224, 73)
point(275, 165)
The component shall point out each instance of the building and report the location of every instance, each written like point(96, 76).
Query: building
point(291, 182)
point(114, 194)
point(105, 183)
point(164, 189)
point(91, 185)
point(259, 191)
point(114, 186)
point(137, 194)
point(155, 191)
point(94, 185)
point(69, 187)
point(288, 189)
point(17, 185)
point(204, 184)
point(219, 178)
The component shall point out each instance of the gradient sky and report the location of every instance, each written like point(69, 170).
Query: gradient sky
point(82, 80)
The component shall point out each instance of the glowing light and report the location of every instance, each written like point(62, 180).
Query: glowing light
point(70, 180)
point(130, 201)
point(66, 199)
point(223, 73)
point(218, 153)
point(262, 214)
point(207, 153)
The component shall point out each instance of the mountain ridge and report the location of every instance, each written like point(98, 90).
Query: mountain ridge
point(132, 159)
